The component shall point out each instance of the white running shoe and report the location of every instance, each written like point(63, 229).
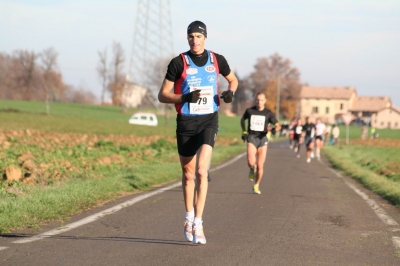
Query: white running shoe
point(312, 154)
point(198, 235)
point(188, 230)
point(308, 160)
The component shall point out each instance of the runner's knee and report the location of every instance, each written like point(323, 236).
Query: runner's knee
point(188, 176)
point(203, 172)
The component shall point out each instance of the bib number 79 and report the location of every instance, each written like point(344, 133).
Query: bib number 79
point(202, 100)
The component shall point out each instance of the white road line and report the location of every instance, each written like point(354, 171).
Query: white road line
point(375, 207)
point(3, 248)
point(228, 162)
point(111, 210)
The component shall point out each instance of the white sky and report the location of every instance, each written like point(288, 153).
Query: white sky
point(331, 42)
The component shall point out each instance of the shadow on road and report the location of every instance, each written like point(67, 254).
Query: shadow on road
point(127, 239)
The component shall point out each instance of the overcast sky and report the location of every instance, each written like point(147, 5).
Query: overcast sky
point(331, 42)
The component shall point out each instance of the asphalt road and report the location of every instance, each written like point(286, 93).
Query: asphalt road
point(306, 215)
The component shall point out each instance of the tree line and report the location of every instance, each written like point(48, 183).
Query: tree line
point(35, 76)
point(269, 75)
point(278, 79)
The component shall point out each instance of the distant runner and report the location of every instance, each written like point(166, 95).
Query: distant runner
point(297, 136)
point(259, 118)
point(291, 133)
point(309, 133)
point(319, 137)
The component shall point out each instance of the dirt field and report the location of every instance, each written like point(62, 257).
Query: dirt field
point(390, 143)
point(58, 140)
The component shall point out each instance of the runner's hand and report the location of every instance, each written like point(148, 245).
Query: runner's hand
point(244, 136)
point(273, 131)
point(227, 96)
point(192, 97)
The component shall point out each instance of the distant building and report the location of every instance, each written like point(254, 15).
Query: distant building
point(388, 117)
point(326, 102)
point(133, 95)
point(329, 103)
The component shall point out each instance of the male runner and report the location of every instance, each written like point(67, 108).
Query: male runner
point(193, 77)
point(297, 137)
point(308, 133)
point(259, 118)
point(320, 130)
point(291, 133)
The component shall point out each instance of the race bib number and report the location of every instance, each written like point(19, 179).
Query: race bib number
point(257, 123)
point(205, 104)
point(312, 134)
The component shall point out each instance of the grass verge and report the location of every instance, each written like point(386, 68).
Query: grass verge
point(23, 206)
point(377, 168)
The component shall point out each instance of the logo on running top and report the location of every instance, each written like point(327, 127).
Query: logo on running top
point(210, 69)
point(191, 71)
point(211, 79)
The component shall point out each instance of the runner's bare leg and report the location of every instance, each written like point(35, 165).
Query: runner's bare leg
point(261, 157)
point(203, 162)
point(251, 155)
point(188, 180)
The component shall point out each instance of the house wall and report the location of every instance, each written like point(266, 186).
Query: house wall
point(387, 118)
point(132, 95)
point(318, 108)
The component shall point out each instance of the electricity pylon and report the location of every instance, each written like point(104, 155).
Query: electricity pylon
point(152, 46)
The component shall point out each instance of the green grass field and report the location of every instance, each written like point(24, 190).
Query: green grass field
point(81, 156)
point(374, 163)
point(377, 168)
point(90, 119)
point(355, 133)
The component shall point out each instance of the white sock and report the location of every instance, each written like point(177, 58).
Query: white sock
point(189, 215)
point(198, 222)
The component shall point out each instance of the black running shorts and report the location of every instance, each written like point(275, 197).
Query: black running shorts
point(308, 141)
point(257, 140)
point(320, 137)
point(194, 131)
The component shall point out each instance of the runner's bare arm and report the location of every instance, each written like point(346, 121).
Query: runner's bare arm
point(166, 95)
point(277, 127)
point(242, 124)
point(233, 81)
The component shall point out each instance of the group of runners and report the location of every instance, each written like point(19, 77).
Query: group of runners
point(191, 83)
point(312, 135)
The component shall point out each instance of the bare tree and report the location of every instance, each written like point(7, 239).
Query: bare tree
point(117, 76)
point(24, 77)
point(103, 72)
point(49, 63)
point(268, 72)
point(5, 65)
point(82, 97)
point(26, 74)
